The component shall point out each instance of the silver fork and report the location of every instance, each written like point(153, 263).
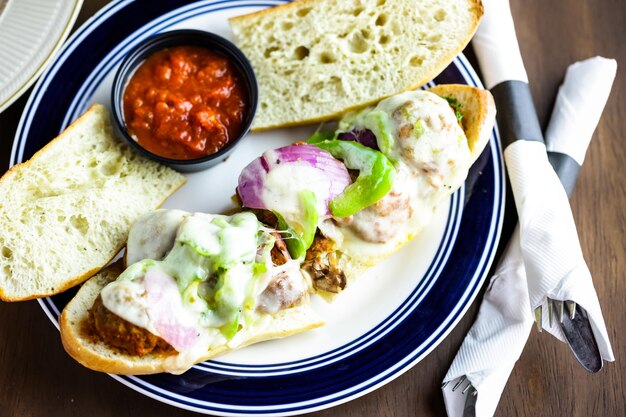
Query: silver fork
point(577, 330)
point(558, 306)
point(465, 387)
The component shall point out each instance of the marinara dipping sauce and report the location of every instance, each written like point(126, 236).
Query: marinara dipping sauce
point(185, 102)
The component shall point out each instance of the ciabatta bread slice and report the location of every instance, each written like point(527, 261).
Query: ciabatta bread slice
point(66, 212)
point(91, 352)
point(317, 59)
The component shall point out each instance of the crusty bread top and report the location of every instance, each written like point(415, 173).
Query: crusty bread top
point(80, 343)
point(317, 59)
point(99, 356)
point(479, 113)
point(65, 213)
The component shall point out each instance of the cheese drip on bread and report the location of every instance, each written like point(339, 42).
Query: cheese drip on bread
point(420, 133)
point(217, 283)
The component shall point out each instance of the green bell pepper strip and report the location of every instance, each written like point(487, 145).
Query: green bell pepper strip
point(294, 243)
point(321, 136)
point(299, 238)
point(311, 217)
point(377, 121)
point(376, 173)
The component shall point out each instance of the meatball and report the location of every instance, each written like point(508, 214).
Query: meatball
point(321, 264)
point(279, 295)
point(117, 332)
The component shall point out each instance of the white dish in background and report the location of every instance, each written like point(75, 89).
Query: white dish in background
point(31, 33)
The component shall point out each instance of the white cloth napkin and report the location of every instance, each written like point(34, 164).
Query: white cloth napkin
point(547, 261)
point(496, 47)
point(579, 105)
point(497, 338)
point(578, 108)
point(554, 262)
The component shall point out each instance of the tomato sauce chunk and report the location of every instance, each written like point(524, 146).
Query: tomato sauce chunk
point(185, 102)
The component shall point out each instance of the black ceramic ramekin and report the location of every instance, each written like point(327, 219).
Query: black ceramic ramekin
point(199, 38)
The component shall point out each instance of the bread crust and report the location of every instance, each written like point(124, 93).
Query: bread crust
point(19, 169)
point(475, 7)
point(98, 356)
point(479, 113)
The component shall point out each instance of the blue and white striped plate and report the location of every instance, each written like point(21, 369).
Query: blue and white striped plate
point(383, 325)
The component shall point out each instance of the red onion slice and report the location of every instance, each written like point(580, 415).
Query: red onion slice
point(252, 179)
point(364, 136)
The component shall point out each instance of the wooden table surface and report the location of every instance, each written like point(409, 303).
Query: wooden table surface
point(37, 378)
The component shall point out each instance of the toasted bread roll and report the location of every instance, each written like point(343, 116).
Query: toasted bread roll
point(427, 135)
point(225, 283)
point(344, 251)
point(86, 348)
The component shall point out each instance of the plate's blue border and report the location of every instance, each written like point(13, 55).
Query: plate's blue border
point(221, 392)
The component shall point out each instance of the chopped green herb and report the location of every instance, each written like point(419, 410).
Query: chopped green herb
point(456, 106)
point(230, 329)
point(406, 113)
point(259, 268)
point(418, 128)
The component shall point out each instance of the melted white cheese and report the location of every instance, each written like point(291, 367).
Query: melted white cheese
point(203, 284)
point(432, 160)
point(289, 292)
point(154, 303)
point(153, 234)
point(282, 186)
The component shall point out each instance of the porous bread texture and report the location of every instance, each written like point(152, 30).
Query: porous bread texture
point(66, 212)
point(478, 110)
point(99, 356)
point(317, 59)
